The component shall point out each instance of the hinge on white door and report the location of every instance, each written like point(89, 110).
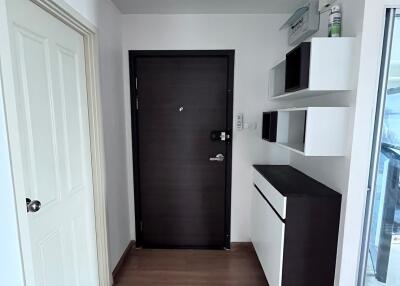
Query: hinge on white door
point(136, 85)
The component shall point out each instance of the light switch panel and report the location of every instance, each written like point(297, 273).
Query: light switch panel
point(239, 121)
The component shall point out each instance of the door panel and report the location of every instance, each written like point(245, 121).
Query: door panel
point(70, 99)
point(52, 268)
point(36, 102)
point(182, 193)
point(53, 128)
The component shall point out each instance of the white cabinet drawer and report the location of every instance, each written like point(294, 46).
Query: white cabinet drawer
point(275, 198)
point(267, 234)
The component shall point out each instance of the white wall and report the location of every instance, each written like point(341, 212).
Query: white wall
point(371, 39)
point(334, 172)
point(111, 80)
point(258, 46)
point(349, 175)
point(87, 8)
point(107, 18)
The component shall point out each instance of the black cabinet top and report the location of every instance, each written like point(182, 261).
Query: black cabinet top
point(291, 182)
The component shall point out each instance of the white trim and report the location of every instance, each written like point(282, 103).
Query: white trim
point(70, 17)
point(128, 138)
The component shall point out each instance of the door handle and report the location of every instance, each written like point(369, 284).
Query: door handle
point(32, 206)
point(218, 158)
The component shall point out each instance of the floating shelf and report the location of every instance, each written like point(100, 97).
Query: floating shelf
point(303, 94)
point(331, 70)
point(313, 131)
point(295, 147)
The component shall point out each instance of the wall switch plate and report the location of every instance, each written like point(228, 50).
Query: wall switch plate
point(239, 121)
point(325, 5)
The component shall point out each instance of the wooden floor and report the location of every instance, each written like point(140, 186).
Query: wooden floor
point(238, 266)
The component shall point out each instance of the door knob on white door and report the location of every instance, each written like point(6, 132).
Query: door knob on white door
point(218, 158)
point(32, 206)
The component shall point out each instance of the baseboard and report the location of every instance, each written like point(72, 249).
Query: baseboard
point(240, 245)
point(122, 259)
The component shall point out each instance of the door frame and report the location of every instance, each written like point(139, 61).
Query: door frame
point(66, 14)
point(133, 54)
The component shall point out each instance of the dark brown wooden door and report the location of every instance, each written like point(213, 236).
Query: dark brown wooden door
point(182, 198)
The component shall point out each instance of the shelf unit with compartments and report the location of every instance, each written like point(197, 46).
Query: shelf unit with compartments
point(323, 65)
point(309, 131)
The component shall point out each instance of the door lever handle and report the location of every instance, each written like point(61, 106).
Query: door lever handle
point(218, 158)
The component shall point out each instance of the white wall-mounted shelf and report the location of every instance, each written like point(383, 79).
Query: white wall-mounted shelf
point(331, 70)
point(313, 131)
point(303, 94)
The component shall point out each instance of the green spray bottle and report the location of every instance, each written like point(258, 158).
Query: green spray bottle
point(335, 22)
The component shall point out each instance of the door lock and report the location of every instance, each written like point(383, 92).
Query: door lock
point(218, 135)
point(223, 136)
point(32, 206)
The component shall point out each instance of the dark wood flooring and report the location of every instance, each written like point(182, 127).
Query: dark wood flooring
point(238, 266)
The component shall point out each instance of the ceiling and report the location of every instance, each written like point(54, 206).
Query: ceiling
point(207, 6)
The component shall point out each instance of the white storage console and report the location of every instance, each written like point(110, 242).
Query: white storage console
point(268, 243)
point(330, 69)
point(290, 213)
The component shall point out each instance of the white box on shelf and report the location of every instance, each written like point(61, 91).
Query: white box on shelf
point(277, 79)
point(331, 70)
point(314, 131)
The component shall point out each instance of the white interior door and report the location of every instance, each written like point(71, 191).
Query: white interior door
point(51, 158)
